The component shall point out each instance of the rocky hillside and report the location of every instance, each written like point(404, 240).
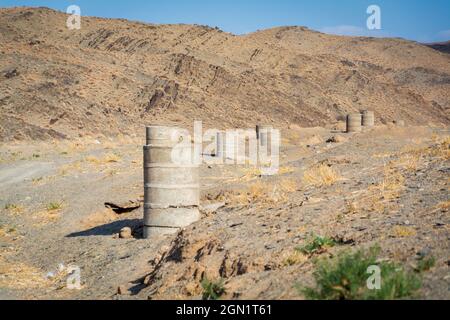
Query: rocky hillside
point(112, 76)
point(440, 46)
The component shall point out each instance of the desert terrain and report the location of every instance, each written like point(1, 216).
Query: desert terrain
point(73, 109)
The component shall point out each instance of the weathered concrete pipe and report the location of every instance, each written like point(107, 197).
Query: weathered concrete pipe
point(368, 118)
point(171, 182)
point(354, 122)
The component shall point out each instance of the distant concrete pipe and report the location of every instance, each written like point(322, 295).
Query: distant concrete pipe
point(171, 182)
point(354, 123)
point(231, 146)
point(368, 118)
point(263, 135)
point(220, 144)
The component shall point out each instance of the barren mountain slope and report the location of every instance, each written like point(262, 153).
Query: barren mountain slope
point(113, 76)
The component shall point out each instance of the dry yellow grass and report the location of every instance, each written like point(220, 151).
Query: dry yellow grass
point(14, 208)
point(64, 170)
point(108, 158)
point(18, 275)
point(294, 258)
point(285, 170)
point(351, 207)
point(6, 231)
point(391, 186)
point(444, 205)
point(262, 193)
point(320, 175)
point(409, 161)
point(403, 232)
point(249, 174)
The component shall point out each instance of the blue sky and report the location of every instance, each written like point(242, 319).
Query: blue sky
point(420, 20)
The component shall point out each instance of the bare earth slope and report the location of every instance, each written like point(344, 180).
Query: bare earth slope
point(113, 76)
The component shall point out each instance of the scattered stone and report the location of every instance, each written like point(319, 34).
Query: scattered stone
point(11, 73)
point(122, 290)
point(336, 139)
point(125, 233)
point(34, 42)
point(147, 280)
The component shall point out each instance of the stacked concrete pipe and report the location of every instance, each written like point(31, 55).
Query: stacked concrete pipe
point(171, 182)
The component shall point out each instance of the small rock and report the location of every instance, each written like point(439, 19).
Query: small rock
point(424, 253)
point(11, 73)
point(122, 290)
point(147, 280)
point(125, 233)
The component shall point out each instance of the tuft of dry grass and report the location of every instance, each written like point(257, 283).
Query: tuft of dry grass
point(6, 231)
point(262, 193)
point(285, 170)
point(391, 186)
point(351, 207)
point(64, 170)
point(320, 175)
point(403, 232)
point(14, 208)
point(294, 258)
point(108, 158)
point(409, 161)
point(444, 205)
point(18, 275)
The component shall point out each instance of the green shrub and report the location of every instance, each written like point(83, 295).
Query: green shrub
point(425, 264)
point(212, 290)
point(345, 278)
point(316, 245)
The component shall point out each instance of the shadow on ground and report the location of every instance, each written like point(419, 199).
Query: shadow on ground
point(109, 229)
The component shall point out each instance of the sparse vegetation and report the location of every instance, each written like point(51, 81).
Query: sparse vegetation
point(294, 258)
point(18, 275)
point(425, 264)
point(212, 290)
point(316, 245)
point(345, 278)
point(320, 175)
point(261, 193)
point(14, 208)
point(54, 206)
point(105, 160)
point(403, 232)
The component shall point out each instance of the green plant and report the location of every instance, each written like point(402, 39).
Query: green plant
point(53, 206)
point(11, 206)
point(425, 264)
point(345, 277)
point(212, 290)
point(316, 245)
